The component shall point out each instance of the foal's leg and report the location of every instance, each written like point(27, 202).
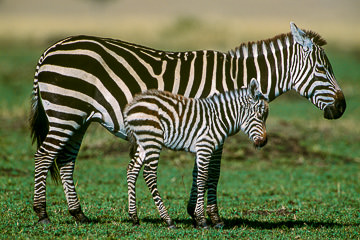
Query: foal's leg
point(133, 170)
point(203, 156)
point(212, 183)
point(150, 176)
point(211, 186)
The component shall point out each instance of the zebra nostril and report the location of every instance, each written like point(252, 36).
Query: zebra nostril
point(260, 142)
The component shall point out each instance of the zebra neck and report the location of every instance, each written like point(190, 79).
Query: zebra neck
point(228, 108)
point(268, 61)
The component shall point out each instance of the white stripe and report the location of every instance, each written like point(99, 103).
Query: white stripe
point(245, 53)
point(177, 77)
point(225, 87)
point(282, 79)
point(255, 55)
point(203, 77)
point(272, 47)
point(268, 69)
point(191, 77)
point(213, 80)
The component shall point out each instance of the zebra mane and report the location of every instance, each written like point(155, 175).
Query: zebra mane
point(315, 37)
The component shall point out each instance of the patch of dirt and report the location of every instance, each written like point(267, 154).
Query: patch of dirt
point(278, 212)
point(11, 172)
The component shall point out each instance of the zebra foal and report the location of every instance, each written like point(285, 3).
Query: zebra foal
point(157, 118)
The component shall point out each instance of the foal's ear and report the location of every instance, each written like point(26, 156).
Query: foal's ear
point(254, 90)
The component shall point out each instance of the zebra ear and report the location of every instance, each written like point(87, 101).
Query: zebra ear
point(300, 37)
point(254, 89)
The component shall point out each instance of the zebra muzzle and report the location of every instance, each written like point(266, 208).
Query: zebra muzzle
point(260, 142)
point(337, 109)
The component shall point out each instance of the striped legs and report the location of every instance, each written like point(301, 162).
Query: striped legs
point(66, 164)
point(43, 162)
point(203, 156)
point(213, 178)
point(214, 175)
point(64, 150)
point(148, 157)
point(133, 171)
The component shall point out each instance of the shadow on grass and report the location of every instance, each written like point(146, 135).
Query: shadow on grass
point(238, 222)
point(230, 223)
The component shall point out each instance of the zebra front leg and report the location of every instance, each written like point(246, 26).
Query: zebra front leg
point(214, 175)
point(43, 162)
point(150, 176)
point(202, 159)
point(211, 186)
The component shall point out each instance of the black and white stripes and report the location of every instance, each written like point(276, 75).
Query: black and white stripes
point(85, 79)
point(155, 119)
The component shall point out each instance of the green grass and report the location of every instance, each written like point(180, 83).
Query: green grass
point(304, 184)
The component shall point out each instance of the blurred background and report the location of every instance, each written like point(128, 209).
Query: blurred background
point(177, 24)
point(29, 27)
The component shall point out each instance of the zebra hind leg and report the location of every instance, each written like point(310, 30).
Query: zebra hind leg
point(66, 164)
point(43, 162)
point(150, 176)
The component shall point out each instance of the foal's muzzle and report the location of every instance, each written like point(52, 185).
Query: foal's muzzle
point(260, 142)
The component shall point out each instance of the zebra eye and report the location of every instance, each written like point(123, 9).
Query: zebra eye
point(321, 69)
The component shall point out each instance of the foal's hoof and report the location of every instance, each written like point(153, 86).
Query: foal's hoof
point(172, 227)
point(202, 224)
point(79, 216)
point(170, 224)
point(83, 219)
point(44, 221)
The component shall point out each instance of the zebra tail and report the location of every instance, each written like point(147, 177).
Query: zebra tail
point(39, 124)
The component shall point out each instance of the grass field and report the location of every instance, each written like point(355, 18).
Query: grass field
point(304, 184)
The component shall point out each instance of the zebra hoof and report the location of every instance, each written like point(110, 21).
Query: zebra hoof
point(191, 211)
point(82, 219)
point(44, 221)
point(136, 224)
point(135, 220)
point(172, 227)
point(219, 225)
point(170, 224)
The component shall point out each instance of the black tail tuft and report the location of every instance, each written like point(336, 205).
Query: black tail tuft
point(39, 126)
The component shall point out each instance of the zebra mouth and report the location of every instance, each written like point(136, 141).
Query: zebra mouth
point(260, 142)
point(336, 109)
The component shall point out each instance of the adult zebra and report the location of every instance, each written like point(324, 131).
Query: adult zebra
point(155, 119)
point(84, 79)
